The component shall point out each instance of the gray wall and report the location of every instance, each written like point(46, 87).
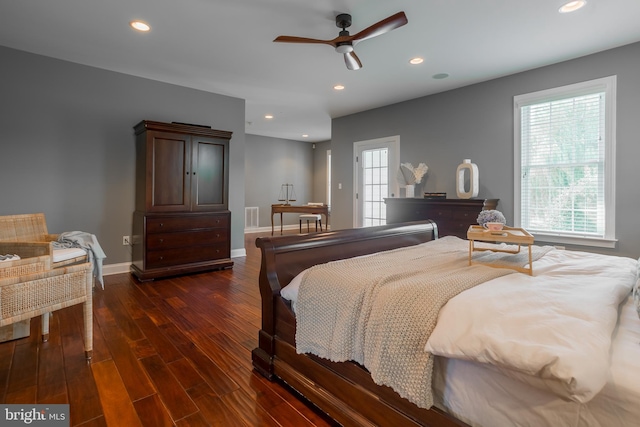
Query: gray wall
point(271, 162)
point(476, 122)
point(67, 143)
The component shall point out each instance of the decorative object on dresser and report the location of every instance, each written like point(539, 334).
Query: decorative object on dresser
point(453, 216)
point(467, 170)
point(409, 176)
point(182, 223)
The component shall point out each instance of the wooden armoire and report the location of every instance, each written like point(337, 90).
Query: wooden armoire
point(182, 223)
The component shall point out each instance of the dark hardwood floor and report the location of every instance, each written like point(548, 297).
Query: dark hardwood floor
point(167, 352)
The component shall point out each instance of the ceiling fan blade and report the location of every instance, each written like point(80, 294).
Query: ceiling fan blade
point(352, 61)
point(379, 28)
point(292, 39)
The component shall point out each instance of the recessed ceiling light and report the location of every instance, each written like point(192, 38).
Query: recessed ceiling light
point(140, 26)
point(338, 87)
point(440, 76)
point(304, 135)
point(416, 61)
point(572, 6)
point(268, 116)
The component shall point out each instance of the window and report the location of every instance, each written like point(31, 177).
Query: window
point(565, 163)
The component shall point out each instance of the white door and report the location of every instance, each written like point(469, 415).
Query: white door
point(376, 164)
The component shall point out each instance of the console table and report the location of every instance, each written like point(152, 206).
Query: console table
point(301, 209)
point(453, 216)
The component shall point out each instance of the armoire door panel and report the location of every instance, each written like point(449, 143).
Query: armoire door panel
point(170, 171)
point(209, 179)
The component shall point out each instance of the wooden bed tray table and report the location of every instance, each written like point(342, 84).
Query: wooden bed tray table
point(512, 235)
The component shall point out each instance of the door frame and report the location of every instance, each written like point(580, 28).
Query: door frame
point(392, 143)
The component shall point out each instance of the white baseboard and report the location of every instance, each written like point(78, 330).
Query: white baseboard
point(237, 253)
point(123, 267)
point(268, 229)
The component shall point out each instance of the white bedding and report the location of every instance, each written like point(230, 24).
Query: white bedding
point(483, 397)
point(552, 330)
point(518, 382)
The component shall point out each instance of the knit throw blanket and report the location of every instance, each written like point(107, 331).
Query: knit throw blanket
point(379, 310)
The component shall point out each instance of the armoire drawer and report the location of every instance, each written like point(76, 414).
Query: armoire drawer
point(177, 256)
point(186, 238)
point(180, 223)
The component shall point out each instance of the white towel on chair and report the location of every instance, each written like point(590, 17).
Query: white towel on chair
point(89, 242)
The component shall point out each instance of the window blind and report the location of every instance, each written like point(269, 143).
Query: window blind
point(563, 165)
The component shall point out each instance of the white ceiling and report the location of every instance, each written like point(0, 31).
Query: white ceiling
point(226, 47)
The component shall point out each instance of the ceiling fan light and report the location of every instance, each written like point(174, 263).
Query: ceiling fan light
point(572, 6)
point(344, 48)
point(415, 61)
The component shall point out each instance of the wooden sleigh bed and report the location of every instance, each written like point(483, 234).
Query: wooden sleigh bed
point(346, 391)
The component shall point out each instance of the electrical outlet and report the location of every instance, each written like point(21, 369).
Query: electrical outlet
point(126, 241)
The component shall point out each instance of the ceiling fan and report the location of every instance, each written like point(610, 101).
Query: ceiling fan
point(344, 42)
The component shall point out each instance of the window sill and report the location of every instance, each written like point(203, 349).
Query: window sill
point(579, 241)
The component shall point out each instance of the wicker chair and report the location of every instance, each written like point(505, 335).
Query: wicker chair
point(27, 236)
point(30, 288)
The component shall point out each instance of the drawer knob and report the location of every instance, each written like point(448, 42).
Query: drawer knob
point(218, 235)
point(161, 224)
point(161, 240)
point(161, 258)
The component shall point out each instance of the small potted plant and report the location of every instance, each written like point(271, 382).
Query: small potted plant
point(491, 219)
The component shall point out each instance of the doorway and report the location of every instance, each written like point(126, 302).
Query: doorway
point(376, 163)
